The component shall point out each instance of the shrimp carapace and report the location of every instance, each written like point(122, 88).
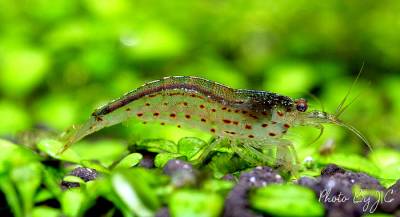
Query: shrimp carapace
point(253, 119)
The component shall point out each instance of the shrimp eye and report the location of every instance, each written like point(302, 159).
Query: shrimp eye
point(301, 105)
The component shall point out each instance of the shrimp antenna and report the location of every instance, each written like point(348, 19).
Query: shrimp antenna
point(321, 131)
point(355, 131)
point(341, 106)
point(338, 113)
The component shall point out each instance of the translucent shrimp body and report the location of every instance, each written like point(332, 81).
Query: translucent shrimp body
point(250, 119)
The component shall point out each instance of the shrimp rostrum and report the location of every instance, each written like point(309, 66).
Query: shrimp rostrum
point(254, 122)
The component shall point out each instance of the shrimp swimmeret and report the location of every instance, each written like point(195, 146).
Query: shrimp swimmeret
point(252, 121)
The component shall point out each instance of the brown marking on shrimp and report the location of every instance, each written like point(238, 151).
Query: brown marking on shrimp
point(226, 121)
point(248, 127)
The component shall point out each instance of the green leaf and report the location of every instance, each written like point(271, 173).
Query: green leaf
point(17, 119)
point(22, 69)
point(388, 162)
point(95, 165)
point(162, 158)
point(73, 202)
point(129, 161)
point(74, 179)
point(27, 179)
point(52, 148)
point(195, 203)
point(224, 163)
point(378, 215)
point(43, 211)
point(218, 186)
point(11, 194)
point(134, 190)
point(190, 146)
point(12, 155)
point(353, 162)
point(286, 200)
point(103, 151)
point(158, 145)
point(43, 195)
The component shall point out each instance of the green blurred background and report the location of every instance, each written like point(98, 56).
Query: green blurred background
point(61, 59)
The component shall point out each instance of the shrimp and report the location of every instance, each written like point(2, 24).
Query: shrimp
point(253, 122)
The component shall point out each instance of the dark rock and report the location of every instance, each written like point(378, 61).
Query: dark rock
point(236, 204)
point(148, 160)
point(174, 166)
point(391, 199)
point(228, 177)
point(334, 189)
point(85, 174)
point(181, 172)
point(163, 212)
point(332, 169)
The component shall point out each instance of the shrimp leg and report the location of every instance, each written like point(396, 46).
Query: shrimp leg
point(206, 151)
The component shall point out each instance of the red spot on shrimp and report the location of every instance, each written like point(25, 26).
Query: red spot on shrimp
point(147, 104)
point(187, 116)
point(286, 126)
point(235, 122)
point(203, 120)
point(251, 136)
point(185, 103)
point(237, 111)
point(253, 116)
point(279, 113)
point(155, 114)
point(244, 112)
point(213, 110)
point(226, 121)
point(229, 110)
point(212, 130)
point(165, 103)
point(139, 114)
point(264, 113)
point(264, 125)
point(201, 106)
point(247, 126)
point(271, 134)
point(273, 122)
point(172, 115)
